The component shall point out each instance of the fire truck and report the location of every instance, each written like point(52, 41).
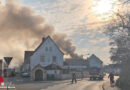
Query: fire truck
point(96, 73)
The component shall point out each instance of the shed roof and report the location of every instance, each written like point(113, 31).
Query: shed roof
point(53, 67)
point(74, 62)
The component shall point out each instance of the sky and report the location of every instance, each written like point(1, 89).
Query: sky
point(75, 18)
point(80, 20)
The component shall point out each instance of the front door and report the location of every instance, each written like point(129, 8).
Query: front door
point(38, 75)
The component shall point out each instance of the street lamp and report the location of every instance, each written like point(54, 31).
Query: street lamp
point(7, 60)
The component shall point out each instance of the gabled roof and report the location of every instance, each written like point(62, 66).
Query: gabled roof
point(44, 41)
point(55, 44)
point(94, 56)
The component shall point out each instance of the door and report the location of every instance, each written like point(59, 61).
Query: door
point(38, 75)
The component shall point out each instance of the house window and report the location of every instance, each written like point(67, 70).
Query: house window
point(46, 49)
point(50, 48)
point(42, 58)
point(55, 71)
point(54, 59)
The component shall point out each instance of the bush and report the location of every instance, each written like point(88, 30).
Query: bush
point(124, 82)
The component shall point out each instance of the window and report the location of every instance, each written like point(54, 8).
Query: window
point(50, 48)
point(54, 59)
point(42, 58)
point(46, 49)
point(55, 71)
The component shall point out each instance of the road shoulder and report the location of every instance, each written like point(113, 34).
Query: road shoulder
point(106, 86)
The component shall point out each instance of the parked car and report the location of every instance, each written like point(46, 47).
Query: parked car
point(25, 74)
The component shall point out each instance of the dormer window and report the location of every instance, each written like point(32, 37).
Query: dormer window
point(46, 49)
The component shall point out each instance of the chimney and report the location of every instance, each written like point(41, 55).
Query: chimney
point(43, 39)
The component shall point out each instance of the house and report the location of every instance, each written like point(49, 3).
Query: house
point(79, 66)
point(76, 65)
point(54, 71)
point(27, 55)
point(46, 53)
point(37, 62)
point(94, 61)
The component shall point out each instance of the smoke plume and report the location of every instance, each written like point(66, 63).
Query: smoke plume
point(21, 29)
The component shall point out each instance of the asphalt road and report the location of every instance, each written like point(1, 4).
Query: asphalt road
point(80, 85)
point(84, 84)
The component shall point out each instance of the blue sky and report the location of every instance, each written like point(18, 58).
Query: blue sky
point(74, 17)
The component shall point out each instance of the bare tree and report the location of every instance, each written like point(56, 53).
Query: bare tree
point(118, 31)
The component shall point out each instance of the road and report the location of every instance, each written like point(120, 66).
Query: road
point(80, 85)
point(84, 84)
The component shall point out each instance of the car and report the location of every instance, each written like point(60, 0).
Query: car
point(25, 74)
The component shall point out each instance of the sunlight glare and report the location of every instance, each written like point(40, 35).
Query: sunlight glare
point(103, 6)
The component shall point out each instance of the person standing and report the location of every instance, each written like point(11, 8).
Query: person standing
point(111, 76)
point(74, 78)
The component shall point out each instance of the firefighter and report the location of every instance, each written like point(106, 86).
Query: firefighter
point(111, 76)
point(74, 78)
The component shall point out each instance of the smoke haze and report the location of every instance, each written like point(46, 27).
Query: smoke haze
point(21, 29)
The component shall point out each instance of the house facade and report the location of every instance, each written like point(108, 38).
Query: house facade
point(26, 65)
point(94, 61)
point(76, 65)
point(46, 54)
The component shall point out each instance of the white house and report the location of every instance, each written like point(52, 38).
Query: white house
point(46, 54)
point(94, 61)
